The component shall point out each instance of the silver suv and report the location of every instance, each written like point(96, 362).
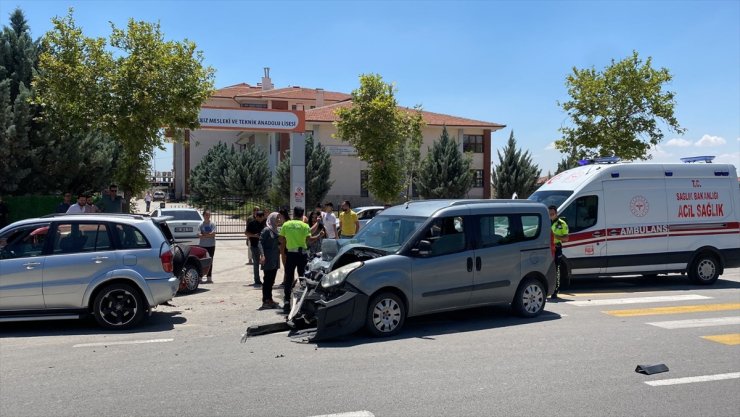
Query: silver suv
point(427, 257)
point(115, 267)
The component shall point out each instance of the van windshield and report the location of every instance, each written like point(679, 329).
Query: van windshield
point(550, 198)
point(388, 233)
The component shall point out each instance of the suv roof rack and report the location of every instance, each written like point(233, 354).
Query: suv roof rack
point(704, 158)
point(129, 215)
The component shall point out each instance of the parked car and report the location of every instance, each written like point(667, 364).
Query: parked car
point(159, 195)
point(117, 267)
point(427, 257)
point(366, 213)
point(191, 262)
point(183, 223)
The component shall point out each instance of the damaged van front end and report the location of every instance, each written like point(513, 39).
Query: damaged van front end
point(325, 300)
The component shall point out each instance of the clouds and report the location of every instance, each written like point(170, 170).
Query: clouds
point(551, 146)
point(681, 143)
point(707, 141)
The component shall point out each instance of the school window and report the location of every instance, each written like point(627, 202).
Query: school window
point(477, 178)
point(254, 105)
point(473, 143)
point(294, 107)
point(363, 184)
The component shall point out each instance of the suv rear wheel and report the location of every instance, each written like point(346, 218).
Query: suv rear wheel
point(118, 306)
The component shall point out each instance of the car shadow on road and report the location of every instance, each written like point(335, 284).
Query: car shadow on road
point(431, 326)
point(641, 284)
point(160, 321)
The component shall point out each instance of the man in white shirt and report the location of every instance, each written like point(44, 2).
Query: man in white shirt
point(330, 221)
point(79, 207)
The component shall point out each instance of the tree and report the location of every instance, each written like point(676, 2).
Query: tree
point(381, 132)
point(565, 164)
point(207, 178)
point(247, 173)
point(318, 172)
point(515, 172)
point(128, 87)
point(445, 171)
point(616, 112)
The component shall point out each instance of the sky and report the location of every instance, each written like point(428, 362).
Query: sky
point(498, 61)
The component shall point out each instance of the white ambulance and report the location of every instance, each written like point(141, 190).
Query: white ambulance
point(647, 218)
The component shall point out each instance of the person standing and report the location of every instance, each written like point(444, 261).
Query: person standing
point(330, 221)
point(207, 237)
point(348, 222)
point(148, 200)
point(253, 232)
point(560, 233)
point(295, 235)
point(268, 252)
point(283, 257)
point(64, 205)
point(79, 207)
point(4, 213)
point(316, 225)
point(89, 206)
point(250, 253)
point(112, 203)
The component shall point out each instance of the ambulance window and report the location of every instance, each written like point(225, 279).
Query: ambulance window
point(582, 213)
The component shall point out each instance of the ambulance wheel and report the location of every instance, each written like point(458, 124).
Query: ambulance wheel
point(704, 270)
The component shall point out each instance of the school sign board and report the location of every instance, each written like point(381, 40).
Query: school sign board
point(229, 118)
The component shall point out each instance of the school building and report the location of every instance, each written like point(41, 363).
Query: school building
point(318, 105)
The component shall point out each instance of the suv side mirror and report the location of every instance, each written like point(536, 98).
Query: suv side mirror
point(423, 248)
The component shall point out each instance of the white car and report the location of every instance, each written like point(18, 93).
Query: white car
point(183, 223)
point(159, 195)
point(366, 213)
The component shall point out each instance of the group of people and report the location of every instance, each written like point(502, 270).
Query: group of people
point(277, 238)
point(110, 203)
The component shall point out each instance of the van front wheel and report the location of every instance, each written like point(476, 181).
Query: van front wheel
point(704, 270)
point(386, 314)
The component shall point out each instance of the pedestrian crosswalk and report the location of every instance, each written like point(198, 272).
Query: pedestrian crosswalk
point(727, 316)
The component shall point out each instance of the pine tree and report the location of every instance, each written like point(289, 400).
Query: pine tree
point(515, 173)
point(247, 173)
point(445, 171)
point(207, 178)
point(318, 172)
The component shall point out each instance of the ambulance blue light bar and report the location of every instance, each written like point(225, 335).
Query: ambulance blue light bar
point(601, 160)
point(691, 159)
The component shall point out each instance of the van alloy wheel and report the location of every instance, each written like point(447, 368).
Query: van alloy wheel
point(386, 315)
point(530, 298)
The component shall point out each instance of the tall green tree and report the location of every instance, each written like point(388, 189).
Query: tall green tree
point(381, 132)
point(615, 112)
point(515, 172)
point(247, 173)
point(207, 179)
point(129, 87)
point(318, 172)
point(445, 171)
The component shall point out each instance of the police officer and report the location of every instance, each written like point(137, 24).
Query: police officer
point(295, 235)
point(560, 231)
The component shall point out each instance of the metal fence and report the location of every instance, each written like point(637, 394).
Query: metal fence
point(230, 215)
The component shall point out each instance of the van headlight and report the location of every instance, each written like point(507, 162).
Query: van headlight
point(338, 275)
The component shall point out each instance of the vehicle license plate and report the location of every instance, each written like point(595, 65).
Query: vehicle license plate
point(183, 229)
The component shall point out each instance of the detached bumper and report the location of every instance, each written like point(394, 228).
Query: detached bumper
point(339, 316)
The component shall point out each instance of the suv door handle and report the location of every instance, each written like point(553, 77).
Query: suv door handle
point(470, 264)
point(31, 265)
point(478, 263)
point(99, 259)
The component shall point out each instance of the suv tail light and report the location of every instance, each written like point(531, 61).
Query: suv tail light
point(166, 257)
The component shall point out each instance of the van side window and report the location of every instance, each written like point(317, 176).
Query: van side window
point(495, 230)
point(447, 235)
point(530, 226)
point(582, 213)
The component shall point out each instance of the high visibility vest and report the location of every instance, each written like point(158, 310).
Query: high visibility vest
point(559, 229)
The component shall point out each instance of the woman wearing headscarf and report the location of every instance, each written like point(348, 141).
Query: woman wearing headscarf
point(269, 254)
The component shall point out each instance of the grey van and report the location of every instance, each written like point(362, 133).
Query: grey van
point(427, 257)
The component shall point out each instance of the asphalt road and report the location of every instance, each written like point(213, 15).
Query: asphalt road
point(577, 359)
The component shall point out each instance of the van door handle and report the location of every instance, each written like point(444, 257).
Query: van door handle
point(99, 259)
point(31, 265)
point(597, 233)
point(470, 264)
point(478, 263)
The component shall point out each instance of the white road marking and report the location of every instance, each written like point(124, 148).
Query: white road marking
point(362, 413)
point(691, 379)
point(129, 342)
point(686, 324)
point(637, 300)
